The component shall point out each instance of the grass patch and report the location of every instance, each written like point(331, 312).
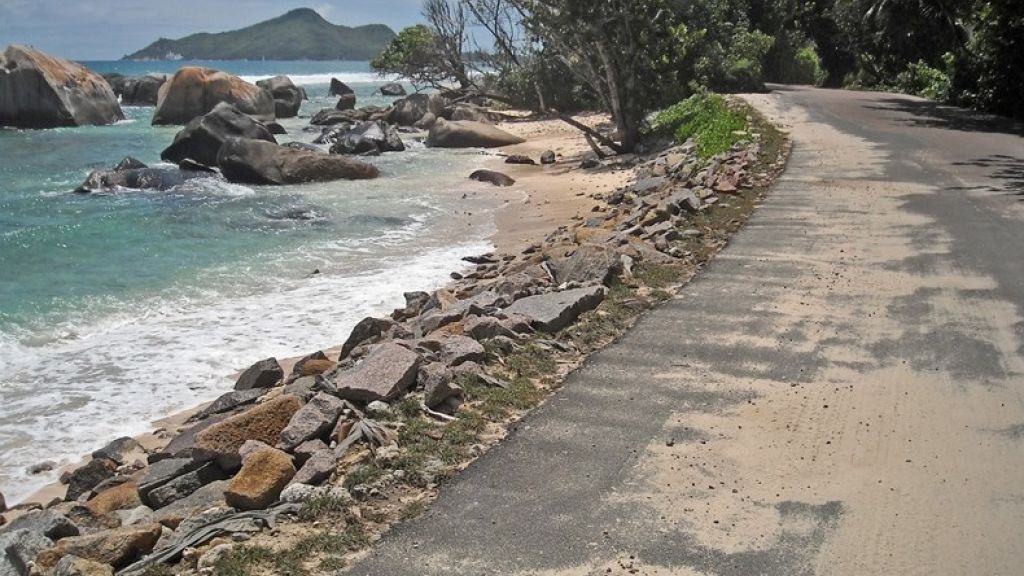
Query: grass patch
point(158, 570)
point(707, 119)
point(657, 276)
point(321, 506)
point(291, 561)
point(413, 510)
point(364, 474)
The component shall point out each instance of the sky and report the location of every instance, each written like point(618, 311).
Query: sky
point(109, 29)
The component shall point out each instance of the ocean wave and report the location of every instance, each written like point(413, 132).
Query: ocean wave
point(318, 79)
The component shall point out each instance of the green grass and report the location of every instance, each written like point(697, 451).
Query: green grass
point(707, 119)
point(248, 559)
point(322, 506)
point(364, 474)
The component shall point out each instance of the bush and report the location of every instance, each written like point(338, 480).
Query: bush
point(923, 80)
point(707, 119)
point(793, 64)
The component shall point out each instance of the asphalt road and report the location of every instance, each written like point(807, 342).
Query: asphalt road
point(839, 393)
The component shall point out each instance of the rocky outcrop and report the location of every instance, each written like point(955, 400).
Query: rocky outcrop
point(492, 177)
point(287, 96)
point(263, 423)
point(116, 548)
point(259, 483)
point(41, 91)
point(411, 109)
point(144, 178)
point(467, 134)
point(263, 374)
point(258, 162)
point(203, 137)
point(339, 88)
point(369, 138)
point(192, 92)
point(142, 90)
point(392, 89)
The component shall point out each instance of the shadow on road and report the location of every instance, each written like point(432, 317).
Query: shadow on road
point(929, 114)
point(1008, 170)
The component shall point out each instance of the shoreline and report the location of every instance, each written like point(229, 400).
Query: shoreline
point(543, 199)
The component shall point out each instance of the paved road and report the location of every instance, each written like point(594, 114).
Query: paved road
point(842, 388)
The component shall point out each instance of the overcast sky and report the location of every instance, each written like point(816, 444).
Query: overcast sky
point(109, 29)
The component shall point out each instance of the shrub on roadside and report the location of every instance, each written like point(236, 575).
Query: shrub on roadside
point(923, 80)
point(707, 119)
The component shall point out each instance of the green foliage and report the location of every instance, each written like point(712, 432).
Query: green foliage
point(301, 34)
point(411, 53)
point(922, 80)
point(707, 119)
point(322, 506)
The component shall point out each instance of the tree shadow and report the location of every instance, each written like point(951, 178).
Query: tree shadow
point(928, 114)
point(1008, 170)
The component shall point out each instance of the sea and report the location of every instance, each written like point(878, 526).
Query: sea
point(119, 309)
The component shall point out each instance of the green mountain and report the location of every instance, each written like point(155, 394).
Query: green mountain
point(301, 34)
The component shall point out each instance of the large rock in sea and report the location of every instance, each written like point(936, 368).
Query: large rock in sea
point(138, 177)
point(41, 91)
point(203, 137)
point(369, 138)
point(392, 89)
point(339, 88)
point(467, 134)
point(142, 90)
point(259, 162)
point(287, 96)
point(193, 92)
point(411, 109)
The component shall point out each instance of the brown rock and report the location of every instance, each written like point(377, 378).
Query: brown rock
point(260, 481)
point(41, 91)
point(123, 497)
point(315, 368)
point(387, 371)
point(265, 422)
point(75, 566)
point(117, 548)
point(194, 91)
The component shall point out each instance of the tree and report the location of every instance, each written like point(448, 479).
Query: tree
point(412, 54)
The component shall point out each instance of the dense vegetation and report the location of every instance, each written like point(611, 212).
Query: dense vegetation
point(629, 57)
point(298, 35)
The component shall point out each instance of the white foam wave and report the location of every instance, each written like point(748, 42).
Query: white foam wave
point(317, 79)
point(90, 383)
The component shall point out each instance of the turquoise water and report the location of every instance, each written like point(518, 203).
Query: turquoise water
point(118, 309)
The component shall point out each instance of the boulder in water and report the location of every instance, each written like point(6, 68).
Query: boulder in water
point(193, 91)
point(130, 173)
point(411, 109)
point(339, 88)
point(467, 134)
point(40, 91)
point(260, 162)
point(346, 102)
point(287, 96)
point(202, 138)
point(496, 178)
point(369, 138)
point(392, 89)
point(143, 90)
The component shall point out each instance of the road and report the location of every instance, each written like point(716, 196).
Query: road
point(841, 392)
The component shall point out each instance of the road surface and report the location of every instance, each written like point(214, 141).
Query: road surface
point(841, 392)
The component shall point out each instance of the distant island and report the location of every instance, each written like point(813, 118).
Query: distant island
point(301, 34)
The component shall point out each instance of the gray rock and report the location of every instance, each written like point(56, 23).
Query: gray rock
point(369, 138)
point(49, 523)
point(386, 372)
point(486, 327)
point(468, 134)
point(287, 96)
point(392, 89)
point(163, 472)
point(346, 102)
point(368, 330)
point(554, 311)
point(258, 162)
point(304, 451)
point(303, 388)
point(75, 566)
point(492, 177)
point(119, 450)
point(548, 157)
point(457, 350)
point(202, 138)
point(232, 400)
point(410, 110)
point(438, 384)
point(20, 547)
point(339, 88)
point(202, 499)
point(87, 477)
point(159, 179)
point(40, 91)
point(143, 90)
point(687, 200)
point(589, 263)
point(136, 515)
point(313, 420)
point(648, 185)
point(317, 469)
point(263, 374)
point(182, 486)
